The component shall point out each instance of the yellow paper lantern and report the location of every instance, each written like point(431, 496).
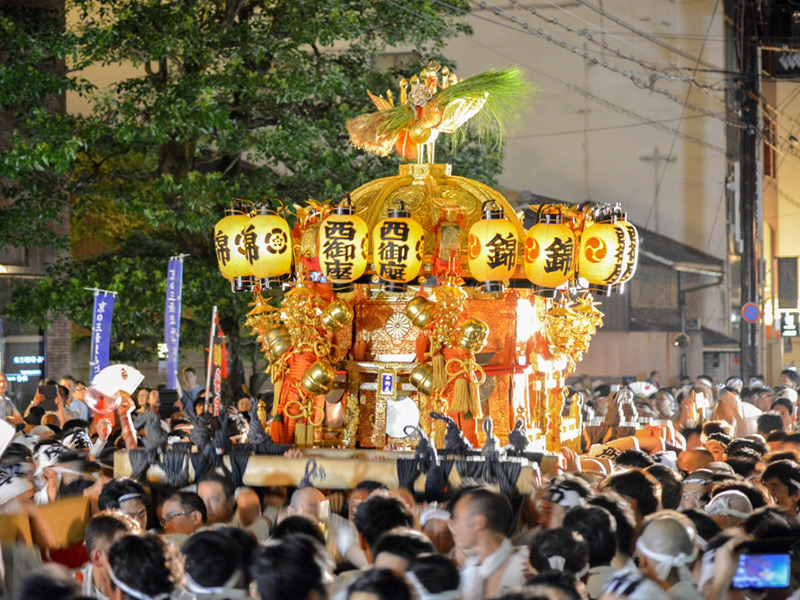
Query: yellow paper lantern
point(231, 259)
point(343, 247)
point(267, 243)
point(603, 253)
point(632, 258)
point(549, 252)
point(493, 244)
point(397, 245)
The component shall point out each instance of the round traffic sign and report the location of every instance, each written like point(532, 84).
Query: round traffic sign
point(750, 312)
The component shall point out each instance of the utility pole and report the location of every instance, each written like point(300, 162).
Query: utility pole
point(750, 195)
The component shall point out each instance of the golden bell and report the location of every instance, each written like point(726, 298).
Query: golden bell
point(422, 378)
point(419, 311)
point(473, 334)
point(318, 379)
point(336, 315)
point(278, 340)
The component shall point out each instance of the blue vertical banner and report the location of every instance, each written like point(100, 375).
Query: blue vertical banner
point(172, 319)
point(101, 330)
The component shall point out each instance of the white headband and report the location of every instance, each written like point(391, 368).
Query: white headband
point(557, 563)
point(424, 594)
point(721, 505)
point(132, 592)
point(664, 563)
point(563, 496)
point(227, 591)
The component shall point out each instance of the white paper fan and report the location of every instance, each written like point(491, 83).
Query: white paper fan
point(642, 388)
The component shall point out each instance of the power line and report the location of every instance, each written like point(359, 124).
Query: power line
point(646, 35)
point(638, 81)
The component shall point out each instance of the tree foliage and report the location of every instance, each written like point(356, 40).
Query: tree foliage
point(229, 99)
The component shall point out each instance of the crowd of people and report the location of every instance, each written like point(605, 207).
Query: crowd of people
point(701, 501)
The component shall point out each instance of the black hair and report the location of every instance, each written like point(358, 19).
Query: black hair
point(742, 464)
point(370, 485)
point(103, 527)
point(784, 402)
point(793, 375)
point(117, 488)
point(81, 424)
point(712, 427)
point(637, 485)
point(48, 584)
point(760, 447)
point(769, 421)
point(437, 573)
point(559, 580)
point(597, 528)
point(35, 415)
point(298, 524)
point(246, 545)
point(623, 515)
point(633, 458)
point(383, 583)
point(492, 505)
point(790, 455)
point(722, 438)
point(378, 514)
point(228, 487)
point(290, 568)
point(140, 562)
point(785, 471)
point(671, 485)
point(403, 542)
point(190, 502)
point(776, 435)
point(771, 522)
point(210, 557)
point(559, 541)
point(705, 525)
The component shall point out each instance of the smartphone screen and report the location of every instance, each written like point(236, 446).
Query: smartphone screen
point(758, 571)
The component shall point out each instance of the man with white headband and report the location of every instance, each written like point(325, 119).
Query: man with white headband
point(782, 479)
point(563, 494)
point(729, 508)
point(666, 551)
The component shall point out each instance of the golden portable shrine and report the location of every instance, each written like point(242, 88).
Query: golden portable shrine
point(422, 294)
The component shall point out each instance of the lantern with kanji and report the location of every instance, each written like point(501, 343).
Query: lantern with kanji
point(343, 247)
point(397, 247)
point(493, 244)
point(603, 253)
point(632, 244)
point(228, 245)
point(268, 246)
point(549, 252)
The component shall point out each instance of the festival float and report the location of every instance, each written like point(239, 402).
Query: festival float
point(417, 321)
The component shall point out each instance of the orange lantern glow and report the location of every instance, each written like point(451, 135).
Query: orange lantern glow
point(549, 252)
point(228, 245)
point(603, 253)
point(493, 244)
point(343, 247)
point(267, 241)
point(397, 246)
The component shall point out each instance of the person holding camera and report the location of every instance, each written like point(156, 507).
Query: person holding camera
point(8, 410)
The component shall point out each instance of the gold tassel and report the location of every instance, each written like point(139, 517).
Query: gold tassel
point(276, 397)
point(475, 401)
point(439, 371)
point(461, 400)
point(439, 426)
